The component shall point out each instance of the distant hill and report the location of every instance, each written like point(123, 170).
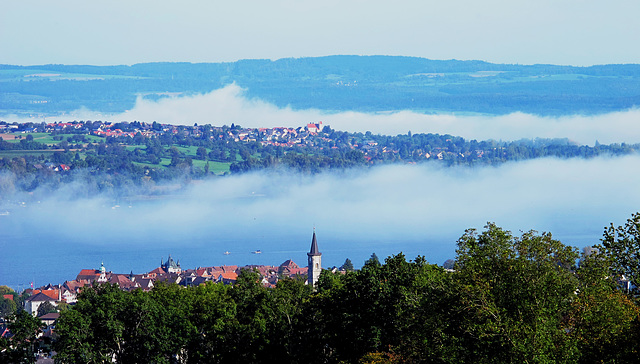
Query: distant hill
point(334, 83)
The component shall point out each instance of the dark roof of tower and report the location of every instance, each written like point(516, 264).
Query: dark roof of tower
point(314, 246)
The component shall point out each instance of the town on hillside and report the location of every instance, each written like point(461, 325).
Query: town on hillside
point(149, 149)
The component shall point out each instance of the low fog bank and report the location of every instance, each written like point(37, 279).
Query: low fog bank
point(230, 105)
point(415, 209)
point(395, 207)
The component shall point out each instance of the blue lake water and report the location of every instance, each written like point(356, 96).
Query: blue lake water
point(45, 257)
point(417, 210)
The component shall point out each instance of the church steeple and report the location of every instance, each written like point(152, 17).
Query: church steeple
point(314, 245)
point(315, 261)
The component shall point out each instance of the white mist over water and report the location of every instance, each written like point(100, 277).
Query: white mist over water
point(230, 105)
point(416, 209)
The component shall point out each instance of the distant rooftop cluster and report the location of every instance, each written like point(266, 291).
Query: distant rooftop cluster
point(171, 272)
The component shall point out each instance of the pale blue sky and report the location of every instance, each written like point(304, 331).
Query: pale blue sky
point(575, 32)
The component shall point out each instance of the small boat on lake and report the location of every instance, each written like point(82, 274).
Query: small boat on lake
point(227, 252)
point(256, 252)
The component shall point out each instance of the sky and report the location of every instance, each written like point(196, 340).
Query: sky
point(568, 32)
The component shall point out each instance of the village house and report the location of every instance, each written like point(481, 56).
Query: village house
point(314, 128)
point(32, 303)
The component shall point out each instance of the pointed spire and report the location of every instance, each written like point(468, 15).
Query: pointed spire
point(314, 245)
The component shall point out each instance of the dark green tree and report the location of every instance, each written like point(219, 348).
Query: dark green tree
point(514, 294)
point(93, 331)
point(22, 346)
point(7, 307)
point(622, 244)
point(201, 153)
point(45, 308)
point(603, 319)
point(347, 266)
point(211, 324)
point(373, 260)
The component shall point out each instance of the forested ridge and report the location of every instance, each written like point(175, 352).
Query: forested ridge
point(509, 298)
point(128, 158)
point(335, 83)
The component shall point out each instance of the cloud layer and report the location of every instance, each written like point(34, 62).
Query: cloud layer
point(388, 209)
point(419, 210)
point(229, 105)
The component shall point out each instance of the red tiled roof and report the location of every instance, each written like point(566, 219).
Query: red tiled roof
point(52, 293)
point(120, 279)
point(86, 272)
point(158, 271)
point(289, 264)
point(202, 272)
point(40, 297)
point(74, 285)
point(229, 275)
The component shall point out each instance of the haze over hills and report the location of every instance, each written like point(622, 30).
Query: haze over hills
point(574, 198)
point(333, 84)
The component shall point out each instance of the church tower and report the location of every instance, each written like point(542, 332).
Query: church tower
point(315, 261)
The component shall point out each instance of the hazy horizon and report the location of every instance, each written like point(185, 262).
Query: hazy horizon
point(230, 104)
point(579, 33)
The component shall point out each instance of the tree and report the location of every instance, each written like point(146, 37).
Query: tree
point(603, 320)
point(514, 294)
point(64, 145)
point(347, 266)
point(22, 346)
point(399, 306)
point(7, 307)
point(449, 264)
point(285, 304)
point(201, 153)
point(373, 260)
point(622, 244)
point(93, 330)
point(45, 308)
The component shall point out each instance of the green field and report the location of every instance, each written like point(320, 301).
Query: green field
point(214, 167)
point(48, 139)
point(17, 153)
point(32, 74)
point(36, 136)
point(134, 147)
point(190, 151)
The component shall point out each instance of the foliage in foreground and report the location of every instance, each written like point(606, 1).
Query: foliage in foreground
point(510, 299)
